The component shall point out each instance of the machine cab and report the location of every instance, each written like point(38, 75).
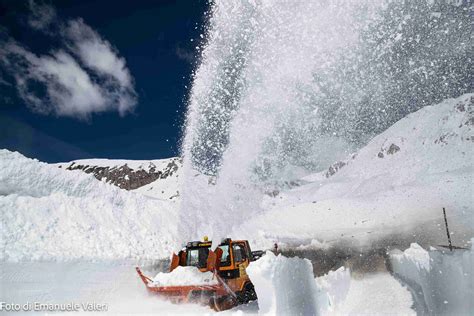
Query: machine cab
point(232, 256)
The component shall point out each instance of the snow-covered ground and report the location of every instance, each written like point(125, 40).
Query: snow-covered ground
point(114, 287)
point(376, 294)
point(164, 189)
point(113, 284)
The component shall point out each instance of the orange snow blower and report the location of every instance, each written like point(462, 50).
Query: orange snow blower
point(230, 284)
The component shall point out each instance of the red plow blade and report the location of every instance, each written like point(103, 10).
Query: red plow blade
point(204, 294)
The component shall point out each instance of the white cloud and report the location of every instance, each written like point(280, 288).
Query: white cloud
point(70, 86)
point(55, 83)
point(87, 76)
point(98, 55)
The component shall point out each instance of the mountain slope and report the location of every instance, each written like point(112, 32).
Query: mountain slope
point(392, 189)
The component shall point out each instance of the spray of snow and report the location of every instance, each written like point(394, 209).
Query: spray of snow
point(255, 81)
point(286, 88)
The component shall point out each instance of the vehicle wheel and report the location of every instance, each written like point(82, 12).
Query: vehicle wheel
point(214, 304)
point(222, 303)
point(248, 294)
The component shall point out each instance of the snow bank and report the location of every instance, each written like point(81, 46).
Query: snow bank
point(442, 282)
point(184, 276)
point(50, 213)
point(286, 286)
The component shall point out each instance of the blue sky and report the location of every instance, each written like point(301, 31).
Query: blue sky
point(107, 79)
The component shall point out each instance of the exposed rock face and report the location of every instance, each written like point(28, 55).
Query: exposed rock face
point(334, 168)
point(126, 177)
point(338, 165)
point(391, 150)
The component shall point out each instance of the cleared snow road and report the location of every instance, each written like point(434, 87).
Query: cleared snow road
point(376, 294)
point(116, 284)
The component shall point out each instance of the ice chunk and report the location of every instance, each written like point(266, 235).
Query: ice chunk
point(284, 286)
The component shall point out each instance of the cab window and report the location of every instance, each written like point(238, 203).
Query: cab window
point(197, 257)
point(239, 254)
point(225, 259)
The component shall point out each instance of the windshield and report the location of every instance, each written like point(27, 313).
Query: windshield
point(239, 254)
point(197, 257)
point(225, 259)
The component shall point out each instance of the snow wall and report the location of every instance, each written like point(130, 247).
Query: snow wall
point(47, 213)
point(442, 282)
point(286, 286)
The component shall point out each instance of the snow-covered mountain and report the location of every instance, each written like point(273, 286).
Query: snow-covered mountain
point(157, 178)
point(392, 189)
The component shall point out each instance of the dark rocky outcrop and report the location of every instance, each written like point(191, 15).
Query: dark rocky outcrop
point(335, 168)
point(127, 178)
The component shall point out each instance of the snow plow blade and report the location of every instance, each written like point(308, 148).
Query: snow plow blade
point(226, 283)
point(216, 296)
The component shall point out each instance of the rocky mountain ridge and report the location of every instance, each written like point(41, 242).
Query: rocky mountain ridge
point(127, 174)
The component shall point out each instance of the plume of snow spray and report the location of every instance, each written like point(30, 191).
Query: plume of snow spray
point(285, 88)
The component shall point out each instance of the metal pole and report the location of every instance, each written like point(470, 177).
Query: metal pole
point(447, 230)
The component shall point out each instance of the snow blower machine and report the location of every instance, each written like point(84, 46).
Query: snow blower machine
point(198, 274)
